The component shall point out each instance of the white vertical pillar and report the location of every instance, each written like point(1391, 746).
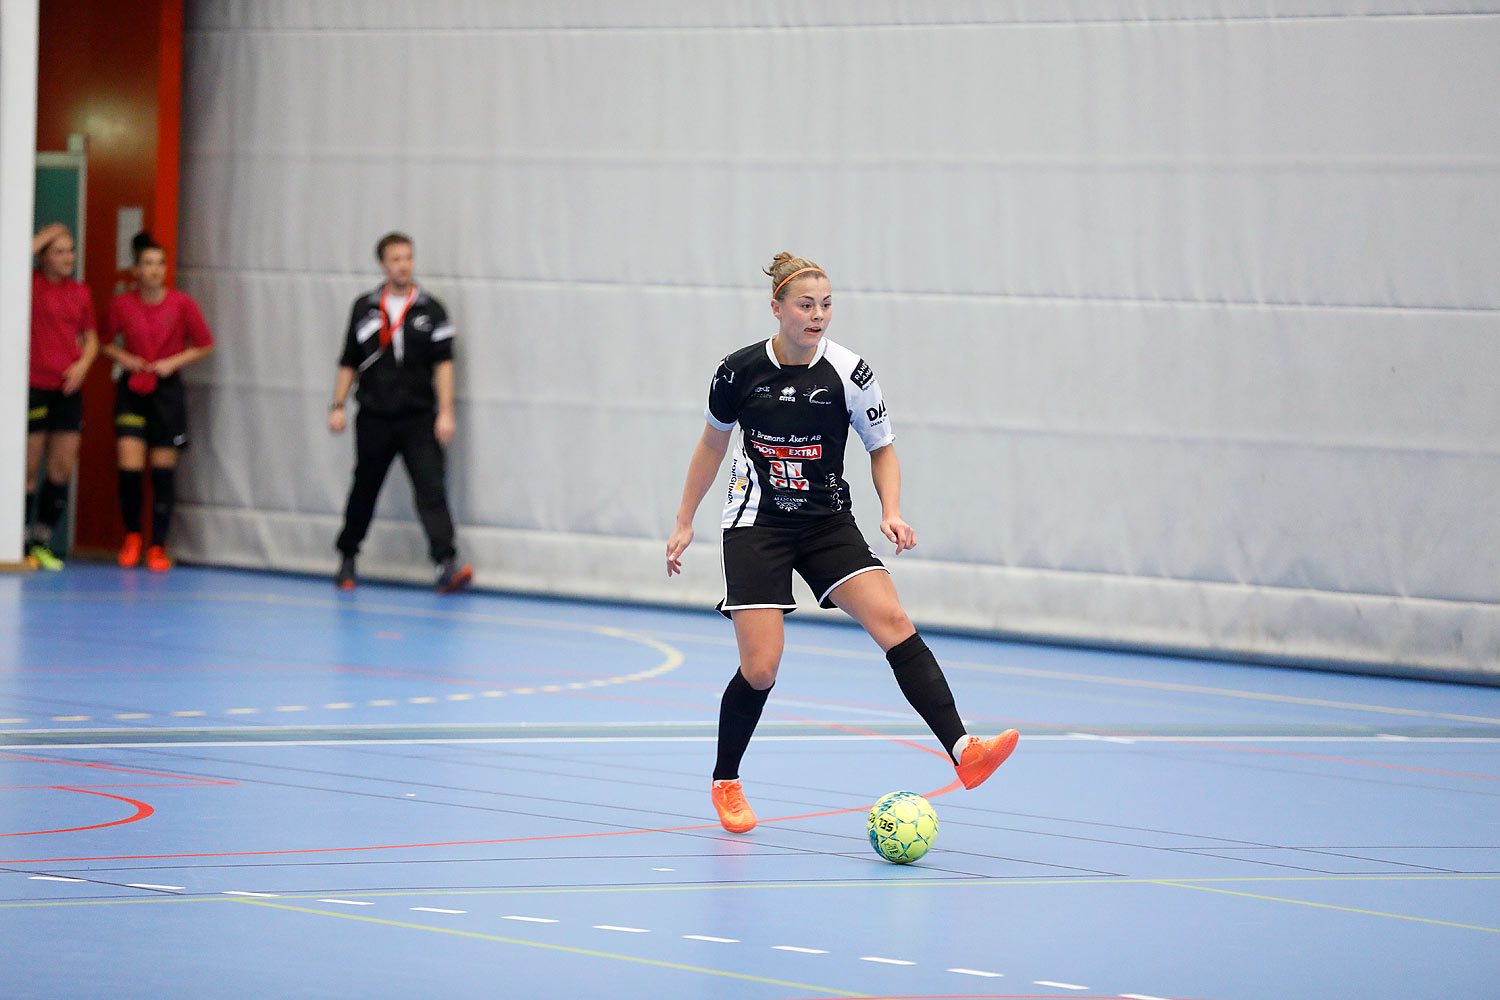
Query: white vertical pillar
point(18, 67)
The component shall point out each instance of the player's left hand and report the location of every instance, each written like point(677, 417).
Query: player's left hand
point(163, 368)
point(444, 427)
point(73, 377)
point(898, 531)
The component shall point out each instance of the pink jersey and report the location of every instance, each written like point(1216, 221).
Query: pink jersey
point(60, 313)
point(158, 331)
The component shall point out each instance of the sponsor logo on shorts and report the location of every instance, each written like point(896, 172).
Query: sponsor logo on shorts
point(790, 503)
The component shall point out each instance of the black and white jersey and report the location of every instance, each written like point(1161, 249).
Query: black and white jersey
point(794, 422)
point(397, 378)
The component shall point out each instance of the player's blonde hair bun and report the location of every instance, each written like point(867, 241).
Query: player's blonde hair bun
point(783, 266)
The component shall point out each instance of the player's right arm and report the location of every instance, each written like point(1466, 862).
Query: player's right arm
point(46, 235)
point(708, 455)
point(342, 384)
point(348, 369)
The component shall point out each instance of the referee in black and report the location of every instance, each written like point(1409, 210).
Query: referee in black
point(399, 349)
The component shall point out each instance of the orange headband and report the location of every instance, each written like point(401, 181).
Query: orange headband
point(801, 270)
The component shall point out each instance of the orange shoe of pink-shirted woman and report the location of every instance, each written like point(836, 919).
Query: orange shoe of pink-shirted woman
point(130, 550)
point(734, 812)
point(156, 559)
point(981, 757)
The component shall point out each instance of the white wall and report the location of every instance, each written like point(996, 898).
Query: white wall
point(1187, 319)
point(18, 55)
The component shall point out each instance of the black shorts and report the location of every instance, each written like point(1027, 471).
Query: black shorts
point(50, 410)
point(159, 416)
point(759, 559)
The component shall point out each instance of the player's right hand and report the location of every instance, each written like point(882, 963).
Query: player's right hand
point(682, 537)
point(336, 421)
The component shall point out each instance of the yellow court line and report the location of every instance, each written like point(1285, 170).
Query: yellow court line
point(674, 656)
point(902, 884)
point(1330, 906)
point(555, 947)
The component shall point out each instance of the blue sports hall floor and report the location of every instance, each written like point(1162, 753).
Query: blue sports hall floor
point(231, 784)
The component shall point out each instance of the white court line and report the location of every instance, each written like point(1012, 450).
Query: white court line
point(766, 738)
point(238, 892)
point(434, 909)
point(1139, 996)
point(52, 878)
point(532, 920)
point(715, 940)
point(1057, 986)
point(148, 885)
point(801, 951)
point(978, 972)
point(886, 961)
point(623, 930)
point(348, 902)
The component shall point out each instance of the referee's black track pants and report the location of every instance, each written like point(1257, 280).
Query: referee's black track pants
point(378, 439)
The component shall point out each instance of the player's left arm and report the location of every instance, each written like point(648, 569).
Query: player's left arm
point(442, 384)
point(442, 335)
point(885, 470)
point(74, 374)
point(200, 342)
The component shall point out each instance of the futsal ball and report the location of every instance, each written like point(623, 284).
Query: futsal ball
point(903, 827)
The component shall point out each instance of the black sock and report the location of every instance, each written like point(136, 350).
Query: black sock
point(163, 499)
point(130, 499)
point(926, 688)
point(51, 501)
point(739, 711)
point(28, 516)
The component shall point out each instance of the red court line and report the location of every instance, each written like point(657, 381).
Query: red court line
point(951, 786)
point(142, 810)
point(122, 770)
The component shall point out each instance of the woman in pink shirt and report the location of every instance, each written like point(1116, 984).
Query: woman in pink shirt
point(163, 330)
point(63, 346)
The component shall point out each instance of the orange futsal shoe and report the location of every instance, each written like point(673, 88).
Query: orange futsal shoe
point(981, 757)
point(734, 812)
point(452, 577)
point(156, 559)
point(130, 552)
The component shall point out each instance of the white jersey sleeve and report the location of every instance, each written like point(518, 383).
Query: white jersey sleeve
point(867, 414)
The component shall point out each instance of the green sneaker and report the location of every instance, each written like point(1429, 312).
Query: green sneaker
point(41, 557)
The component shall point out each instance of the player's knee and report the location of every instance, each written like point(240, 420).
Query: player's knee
point(762, 674)
point(893, 624)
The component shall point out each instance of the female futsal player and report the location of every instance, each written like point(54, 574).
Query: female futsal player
point(163, 331)
point(795, 397)
point(63, 346)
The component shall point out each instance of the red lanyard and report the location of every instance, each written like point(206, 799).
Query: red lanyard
point(388, 326)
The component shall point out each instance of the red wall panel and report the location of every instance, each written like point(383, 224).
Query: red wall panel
point(112, 72)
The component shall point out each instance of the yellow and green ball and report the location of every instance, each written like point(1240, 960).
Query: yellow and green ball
point(903, 826)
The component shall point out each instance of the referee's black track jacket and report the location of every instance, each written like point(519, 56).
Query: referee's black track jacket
point(398, 379)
